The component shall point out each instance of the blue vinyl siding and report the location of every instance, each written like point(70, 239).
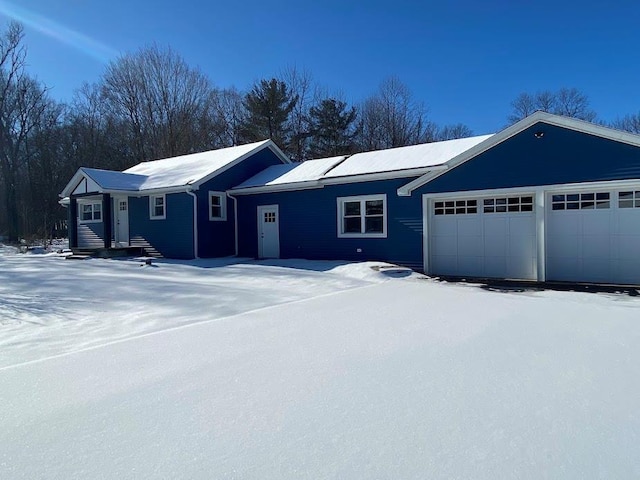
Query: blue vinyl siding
point(172, 237)
point(560, 156)
point(217, 238)
point(309, 224)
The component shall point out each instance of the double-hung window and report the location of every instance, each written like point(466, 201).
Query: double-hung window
point(217, 206)
point(157, 207)
point(90, 212)
point(362, 217)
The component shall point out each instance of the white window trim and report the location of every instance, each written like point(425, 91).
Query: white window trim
point(152, 209)
point(362, 198)
point(82, 203)
point(223, 206)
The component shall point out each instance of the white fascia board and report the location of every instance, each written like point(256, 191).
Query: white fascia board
point(277, 188)
point(268, 144)
point(564, 187)
point(537, 117)
point(372, 177)
point(73, 183)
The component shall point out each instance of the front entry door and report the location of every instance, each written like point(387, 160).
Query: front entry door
point(122, 222)
point(268, 232)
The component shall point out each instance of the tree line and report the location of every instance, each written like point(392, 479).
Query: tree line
point(151, 104)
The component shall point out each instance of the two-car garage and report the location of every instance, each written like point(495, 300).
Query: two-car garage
point(552, 234)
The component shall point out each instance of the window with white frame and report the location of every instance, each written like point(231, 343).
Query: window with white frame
point(90, 212)
point(157, 207)
point(362, 216)
point(217, 206)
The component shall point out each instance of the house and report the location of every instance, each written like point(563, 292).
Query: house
point(547, 199)
point(175, 207)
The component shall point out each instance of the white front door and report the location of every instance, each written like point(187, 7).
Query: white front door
point(122, 221)
point(268, 232)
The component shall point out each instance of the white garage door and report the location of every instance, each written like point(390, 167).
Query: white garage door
point(594, 236)
point(491, 237)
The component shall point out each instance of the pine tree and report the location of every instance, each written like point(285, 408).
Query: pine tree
point(332, 128)
point(268, 106)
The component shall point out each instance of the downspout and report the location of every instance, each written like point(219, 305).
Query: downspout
point(235, 219)
point(195, 223)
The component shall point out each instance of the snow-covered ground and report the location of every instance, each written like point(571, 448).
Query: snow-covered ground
point(318, 370)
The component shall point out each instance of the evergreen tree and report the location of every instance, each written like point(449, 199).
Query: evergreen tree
point(268, 105)
point(332, 128)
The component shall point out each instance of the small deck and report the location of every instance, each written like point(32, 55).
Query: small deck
point(114, 252)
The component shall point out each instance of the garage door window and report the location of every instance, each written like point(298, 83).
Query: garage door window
point(581, 201)
point(455, 207)
point(508, 204)
point(629, 199)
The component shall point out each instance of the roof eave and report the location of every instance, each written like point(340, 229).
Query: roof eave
point(537, 117)
point(267, 144)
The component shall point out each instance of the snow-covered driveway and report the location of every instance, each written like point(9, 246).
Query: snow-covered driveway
point(359, 377)
point(49, 305)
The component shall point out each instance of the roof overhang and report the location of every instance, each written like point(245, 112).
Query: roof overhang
point(537, 117)
point(267, 144)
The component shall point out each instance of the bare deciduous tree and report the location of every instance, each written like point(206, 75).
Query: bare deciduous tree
point(569, 102)
point(162, 100)
point(392, 118)
point(628, 123)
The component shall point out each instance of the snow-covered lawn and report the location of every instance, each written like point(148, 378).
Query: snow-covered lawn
point(292, 369)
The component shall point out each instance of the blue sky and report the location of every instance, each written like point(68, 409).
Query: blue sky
point(465, 60)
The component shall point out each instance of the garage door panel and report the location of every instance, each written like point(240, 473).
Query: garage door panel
point(562, 245)
point(445, 244)
point(593, 245)
point(470, 245)
point(627, 246)
point(570, 225)
point(522, 267)
point(487, 239)
point(445, 264)
point(523, 225)
point(628, 270)
point(522, 246)
point(597, 223)
point(596, 246)
point(628, 222)
point(471, 266)
point(597, 269)
point(445, 225)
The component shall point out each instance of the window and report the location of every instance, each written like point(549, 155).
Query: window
point(157, 207)
point(508, 204)
point(364, 216)
point(455, 207)
point(581, 201)
point(217, 206)
point(90, 212)
point(629, 199)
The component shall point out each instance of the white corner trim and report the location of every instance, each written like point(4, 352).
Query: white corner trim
point(195, 222)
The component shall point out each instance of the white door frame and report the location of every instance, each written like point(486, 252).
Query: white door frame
point(262, 209)
point(121, 222)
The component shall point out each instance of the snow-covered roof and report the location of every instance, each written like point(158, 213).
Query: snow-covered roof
point(110, 180)
point(311, 170)
point(169, 173)
point(404, 158)
point(188, 169)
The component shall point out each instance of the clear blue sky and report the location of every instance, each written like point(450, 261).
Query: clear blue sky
point(465, 60)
